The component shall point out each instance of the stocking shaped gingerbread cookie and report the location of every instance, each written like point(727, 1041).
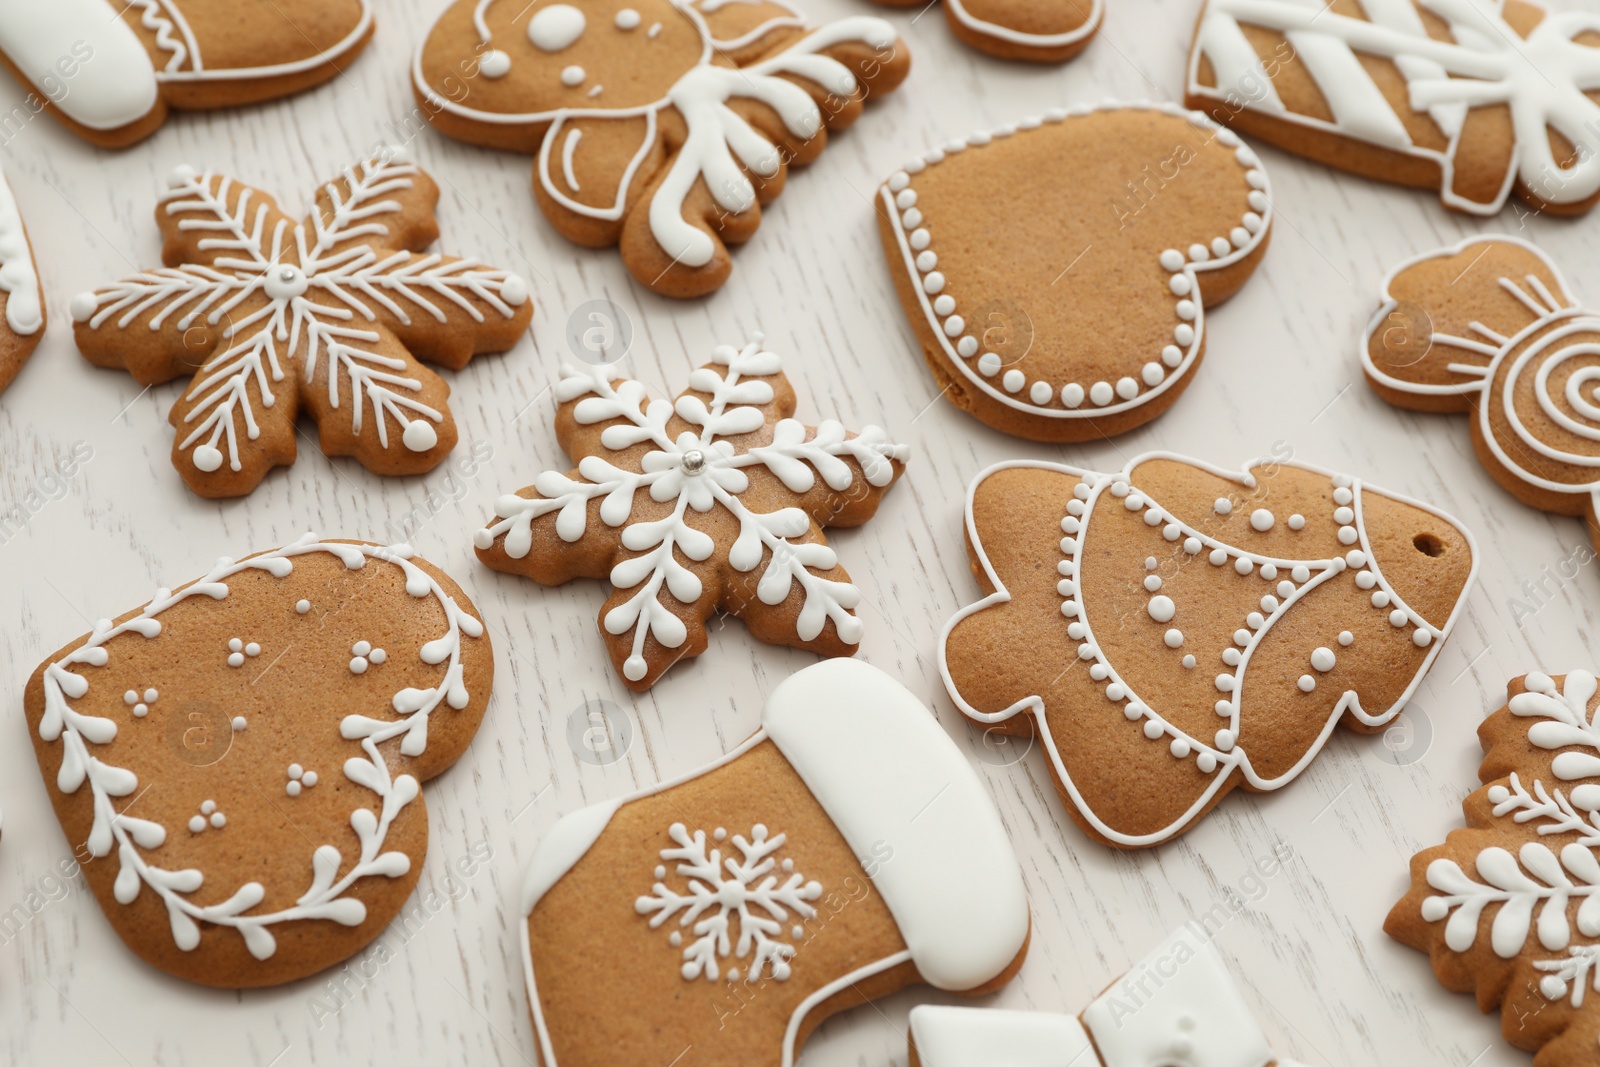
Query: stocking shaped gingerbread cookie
point(1045, 31)
point(1176, 631)
point(1058, 272)
point(1489, 328)
point(243, 756)
point(21, 298)
point(661, 126)
point(111, 69)
point(1474, 98)
point(725, 914)
point(1509, 908)
point(328, 317)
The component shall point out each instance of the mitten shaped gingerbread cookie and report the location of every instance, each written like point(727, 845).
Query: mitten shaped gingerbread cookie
point(1178, 1007)
point(1509, 908)
point(1177, 631)
point(661, 126)
point(110, 70)
point(714, 502)
point(243, 755)
point(1474, 98)
point(275, 318)
point(1055, 321)
point(21, 298)
point(1045, 31)
point(724, 915)
point(1488, 327)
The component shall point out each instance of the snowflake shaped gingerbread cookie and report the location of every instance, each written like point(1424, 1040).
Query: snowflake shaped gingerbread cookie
point(210, 717)
point(21, 298)
point(661, 126)
point(1509, 908)
point(1175, 631)
point(110, 70)
point(275, 318)
point(1474, 98)
point(715, 501)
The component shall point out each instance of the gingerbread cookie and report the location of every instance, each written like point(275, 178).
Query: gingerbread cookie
point(735, 908)
point(1488, 327)
point(714, 502)
point(1045, 31)
point(21, 298)
point(1057, 272)
point(110, 70)
point(1509, 908)
point(660, 126)
point(1178, 1006)
point(1473, 98)
point(1177, 631)
point(328, 318)
point(242, 755)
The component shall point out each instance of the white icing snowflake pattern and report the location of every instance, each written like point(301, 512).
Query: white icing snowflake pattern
point(718, 890)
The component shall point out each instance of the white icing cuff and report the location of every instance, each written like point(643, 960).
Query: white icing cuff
point(976, 1037)
point(563, 847)
point(111, 81)
point(913, 810)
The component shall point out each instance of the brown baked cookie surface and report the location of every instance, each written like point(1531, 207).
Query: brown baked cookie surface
point(719, 918)
point(1474, 99)
point(1176, 631)
point(713, 502)
point(110, 71)
point(660, 128)
point(1508, 908)
point(1043, 31)
point(1489, 327)
point(238, 764)
point(22, 316)
point(331, 318)
point(1057, 273)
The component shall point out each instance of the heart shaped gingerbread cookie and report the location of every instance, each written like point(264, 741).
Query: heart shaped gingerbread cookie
point(1057, 272)
point(242, 756)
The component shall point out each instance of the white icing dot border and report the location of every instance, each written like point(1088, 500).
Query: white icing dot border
point(1067, 400)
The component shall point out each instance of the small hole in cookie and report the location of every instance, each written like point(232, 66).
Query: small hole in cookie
point(1428, 544)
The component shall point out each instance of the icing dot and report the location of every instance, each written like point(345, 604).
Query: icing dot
point(1344, 516)
point(1297, 521)
point(1099, 672)
point(1306, 683)
point(1239, 236)
point(1115, 692)
point(1285, 590)
point(1269, 571)
point(1346, 638)
point(1422, 638)
point(1380, 599)
point(1067, 587)
point(1152, 729)
point(236, 659)
point(1261, 520)
point(293, 789)
point(1269, 604)
point(239, 724)
point(1132, 712)
point(1224, 709)
point(1225, 683)
point(989, 364)
point(1397, 617)
point(1174, 638)
point(1180, 285)
point(1152, 374)
point(905, 198)
point(1072, 395)
point(494, 64)
point(207, 807)
point(1172, 355)
point(1101, 393)
point(1348, 535)
point(920, 239)
point(378, 656)
point(358, 665)
point(235, 645)
point(1223, 506)
point(1040, 393)
point(1172, 260)
point(1301, 573)
point(141, 710)
point(252, 649)
point(1343, 495)
point(1225, 740)
point(1241, 637)
point(83, 307)
point(1179, 748)
point(1152, 582)
point(954, 325)
point(1255, 620)
point(1323, 659)
point(150, 696)
point(1127, 388)
point(1014, 380)
point(556, 27)
point(1232, 656)
point(1150, 564)
point(1184, 334)
point(1186, 310)
point(1206, 762)
point(1192, 545)
point(1133, 502)
point(1551, 987)
point(627, 19)
point(1171, 531)
point(130, 697)
point(1244, 565)
point(944, 305)
point(1199, 253)
point(967, 347)
point(572, 75)
point(1220, 246)
point(1355, 558)
point(1161, 609)
point(302, 606)
point(1366, 580)
point(197, 824)
point(1120, 489)
point(1189, 662)
point(1080, 490)
point(219, 820)
point(1218, 556)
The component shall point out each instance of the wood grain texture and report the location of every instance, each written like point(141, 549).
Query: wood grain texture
point(1281, 373)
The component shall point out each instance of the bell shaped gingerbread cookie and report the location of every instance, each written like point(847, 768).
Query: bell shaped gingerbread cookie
point(734, 909)
point(21, 298)
point(1058, 272)
point(243, 756)
point(1509, 907)
point(273, 318)
point(1177, 1007)
point(1474, 98)
point(1044, 31)
point(110, 70)
point(661, 126)
point(1176, 631)
point(1489, 327)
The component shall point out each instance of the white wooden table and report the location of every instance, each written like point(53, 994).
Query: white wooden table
point(1330, 987)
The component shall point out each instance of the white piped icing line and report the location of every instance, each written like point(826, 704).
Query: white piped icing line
point(134, 839)
point(1073, 399)
point(18, 278)
point(1288, 581)
point(1542, 79)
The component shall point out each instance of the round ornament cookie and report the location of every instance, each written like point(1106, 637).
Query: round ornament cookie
point(1488, 327)
point(661, 126)
point(1176, 631)
point(713, 502)
point(1475, 98)
point(331, 317)
point(734, 909)
point(1058, 272)
point(110, 70)
point(22, 317)
point(243, 756)
point(1044, 31)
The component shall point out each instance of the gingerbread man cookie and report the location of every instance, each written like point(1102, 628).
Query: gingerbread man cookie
point(661, 126)
point(110, 70)
point(1057, 321)
point(1489, 327)
point(21, 298)
point(737, 907)
point(1176, 631)
point(243, 755)
point(716, 501)
point(1509, 908)
point(275, 318)
point(1045, 31)
point(1474, 98)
